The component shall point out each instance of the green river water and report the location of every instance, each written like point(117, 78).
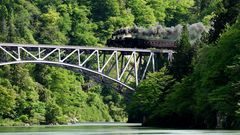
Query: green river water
point(106, 129)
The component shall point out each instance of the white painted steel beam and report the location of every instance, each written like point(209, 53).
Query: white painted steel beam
point(44, 54)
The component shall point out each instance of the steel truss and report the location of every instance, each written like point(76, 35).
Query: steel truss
point(121, 65)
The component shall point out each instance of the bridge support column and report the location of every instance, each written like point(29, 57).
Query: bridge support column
point(135, 68)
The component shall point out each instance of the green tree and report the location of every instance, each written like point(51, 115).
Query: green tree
point(103, 9)
point(50, 32)
point(178, 12)
point(159, 9)
point(53, 111)
point(3, 17)
point(16, 21)
point(205, 10)
point(65, 21)
point(208, 95)
point(82, 28)
point(182, 63)
point(143, 13)
point(106, 29)
point(7, 102)
point(150, 93)
point(227, 14)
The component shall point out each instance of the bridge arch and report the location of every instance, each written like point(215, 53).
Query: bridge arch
point(69, 65)
point(119, 65)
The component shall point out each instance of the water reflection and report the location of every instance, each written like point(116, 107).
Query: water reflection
point(106, 129)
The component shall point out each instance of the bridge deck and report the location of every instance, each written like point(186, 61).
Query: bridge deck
point(88, 48)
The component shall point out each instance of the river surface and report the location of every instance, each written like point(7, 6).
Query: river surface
point(106, 129)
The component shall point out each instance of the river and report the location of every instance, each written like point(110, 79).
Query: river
point(106, 129)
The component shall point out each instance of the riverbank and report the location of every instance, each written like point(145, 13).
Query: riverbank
point(20, 124)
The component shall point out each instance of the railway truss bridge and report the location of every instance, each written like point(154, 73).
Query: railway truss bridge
point(125, 67)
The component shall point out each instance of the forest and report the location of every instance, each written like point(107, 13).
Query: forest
point(200, 88)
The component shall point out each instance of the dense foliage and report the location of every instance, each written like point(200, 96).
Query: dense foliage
point(206, 90)
point(199, 89)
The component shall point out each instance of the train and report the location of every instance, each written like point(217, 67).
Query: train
point(157, 36)
point(141, 43)
point(137, 38)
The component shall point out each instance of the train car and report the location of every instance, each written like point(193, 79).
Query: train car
point(130, 38)
point(141, 43)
